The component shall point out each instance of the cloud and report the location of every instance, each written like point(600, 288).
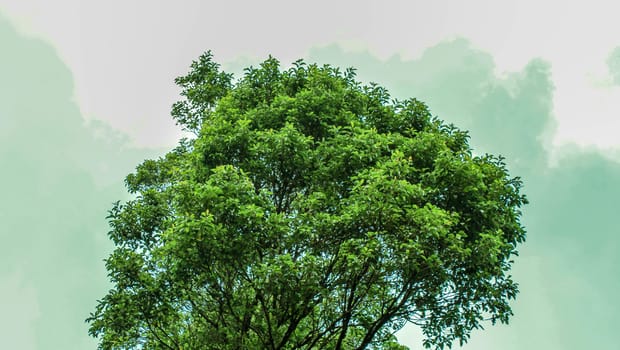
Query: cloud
point(123, 71)
point(613, 65)
point(20, 302)
point(59, 177)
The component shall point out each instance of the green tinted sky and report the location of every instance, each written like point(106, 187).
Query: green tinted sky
point(58, 178)
point(73, 103)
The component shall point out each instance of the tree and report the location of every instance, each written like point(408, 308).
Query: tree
point(309, 212)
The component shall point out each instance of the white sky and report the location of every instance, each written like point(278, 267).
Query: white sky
point(125, 54)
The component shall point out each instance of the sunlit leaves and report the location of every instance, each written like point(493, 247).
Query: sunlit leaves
point(310, 212)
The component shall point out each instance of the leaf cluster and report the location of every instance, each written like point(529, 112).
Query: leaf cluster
point(310, 212)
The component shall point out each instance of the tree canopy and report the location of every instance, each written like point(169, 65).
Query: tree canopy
point(310, 211)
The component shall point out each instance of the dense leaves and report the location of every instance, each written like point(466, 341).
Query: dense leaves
point(310, 212)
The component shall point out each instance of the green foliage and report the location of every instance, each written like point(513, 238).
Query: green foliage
point(310, 212)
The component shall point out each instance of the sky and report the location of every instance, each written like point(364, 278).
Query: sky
point(86, 89)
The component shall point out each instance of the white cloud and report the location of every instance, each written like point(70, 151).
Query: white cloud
point(124, 55)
